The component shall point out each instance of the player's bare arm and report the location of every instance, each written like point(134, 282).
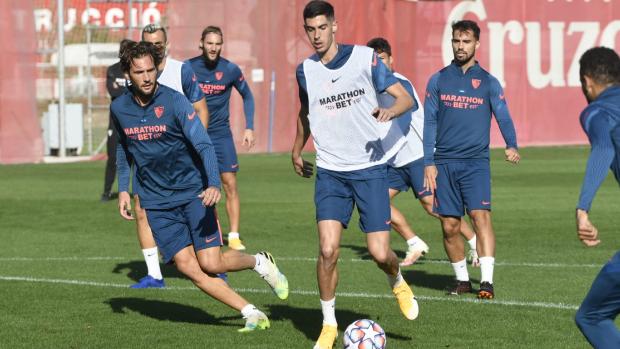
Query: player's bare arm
point(302, 167)
point(402, 103)
point(512, 155)
point(203, 111)
point(124, 205)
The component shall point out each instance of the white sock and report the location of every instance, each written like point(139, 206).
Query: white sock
point(486, 269)
point(248, 310)
point(152, 262)
point(233, 235)
point(460, 270)
point(261, 264)
point(329, 312)
point(396, 279)
point(414, 240)
point(472, 243)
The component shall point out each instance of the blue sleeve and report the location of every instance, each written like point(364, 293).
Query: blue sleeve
point(502, 115)
point(382, 77)
point(122, 156)
point(248, 99)
point(191, 90)
point(431, 110)
point(301, 84)
point(601, 157)
point(198, 137)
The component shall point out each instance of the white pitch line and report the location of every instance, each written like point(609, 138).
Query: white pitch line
point(435, 261)
point(306, 259)
point(546, 305)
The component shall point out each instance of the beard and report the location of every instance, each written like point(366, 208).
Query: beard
point(211, 64)
point(464, 60)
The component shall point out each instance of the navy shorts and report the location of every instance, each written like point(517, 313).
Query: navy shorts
point(408, 176)
point(463, 186)
point(178, 227)
point(336, 193)
point(226, 153)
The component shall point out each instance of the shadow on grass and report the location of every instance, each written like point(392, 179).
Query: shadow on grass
point(169, 311)
point(415, 277)
point(137, 270)
point(309, 321)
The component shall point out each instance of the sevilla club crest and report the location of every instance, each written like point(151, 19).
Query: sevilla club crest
point(219, 75)
point(475, 83)
point(159, 111)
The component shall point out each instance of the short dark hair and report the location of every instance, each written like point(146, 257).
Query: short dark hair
point(317, 8)
point(153, 28)
point(212, 30)
point(137, 50)
point(465, 25)
point(602, 64)
point(380, 45)
point(123, 46)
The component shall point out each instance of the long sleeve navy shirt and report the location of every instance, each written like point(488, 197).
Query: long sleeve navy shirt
point(601, 122)
point(170, 148)
point(217, 84)
point(457, 115)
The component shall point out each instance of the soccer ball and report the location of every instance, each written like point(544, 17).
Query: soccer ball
point(364, 334)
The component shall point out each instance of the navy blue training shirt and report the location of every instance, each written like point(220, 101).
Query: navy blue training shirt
point(601, 122)
point(170, 148)
point(217, 85)
point(457, 115)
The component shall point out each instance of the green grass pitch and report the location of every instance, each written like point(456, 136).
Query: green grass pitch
point(66, 260)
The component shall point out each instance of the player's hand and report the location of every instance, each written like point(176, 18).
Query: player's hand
point(586, 231)
point(124, 205)
point(248, 138)
point(383, 115)
point(302, 167)
point(430, 177)
point(210, 196)
point(512, 155)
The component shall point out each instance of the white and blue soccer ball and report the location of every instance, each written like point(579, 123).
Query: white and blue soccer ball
point(364, 334)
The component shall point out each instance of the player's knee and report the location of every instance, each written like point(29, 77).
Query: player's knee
point(380, 256)
point(481, 218)
point(329, 254)
point(450, 228)
point(213, 266)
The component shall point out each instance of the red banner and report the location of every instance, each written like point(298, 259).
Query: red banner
point(531, 46)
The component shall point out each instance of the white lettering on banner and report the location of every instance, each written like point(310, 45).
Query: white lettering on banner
point(113, 17)
point(554, 76)
point(517, 32)
point(42, 19)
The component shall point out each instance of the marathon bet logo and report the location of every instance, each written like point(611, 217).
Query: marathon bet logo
point(342, 100)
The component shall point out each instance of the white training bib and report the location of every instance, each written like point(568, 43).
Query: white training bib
point(171, 75)
point(340, 102)
point(413, 148)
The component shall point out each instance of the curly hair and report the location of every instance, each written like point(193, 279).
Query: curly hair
point(602, 64)
point(135, 50)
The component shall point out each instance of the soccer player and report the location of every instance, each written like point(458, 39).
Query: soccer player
point(406, 168)
point(600, 81)
point(337, 89)
point(115, 83)
point(216, 77)
point(460, 100)
point(175, 165)
point(179, 77)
